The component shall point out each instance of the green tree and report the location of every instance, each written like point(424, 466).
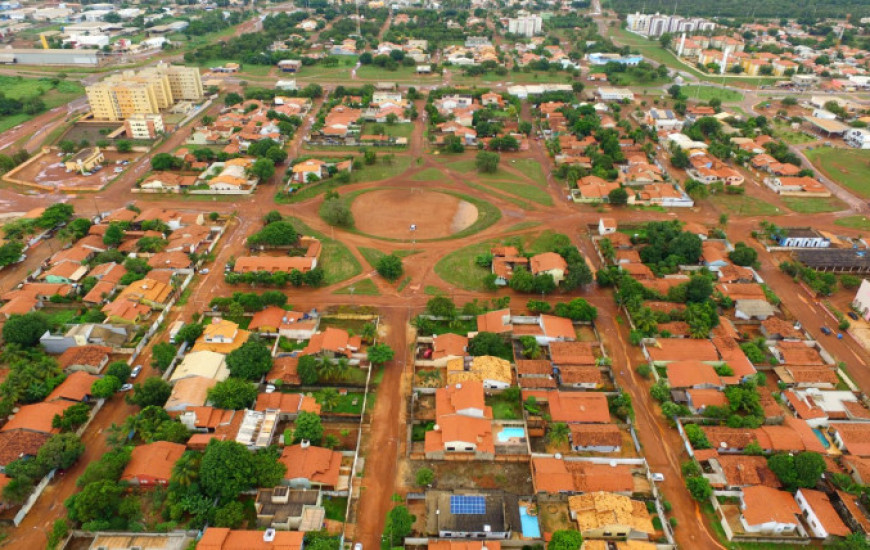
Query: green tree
point(250, 362)
point(336, 212)
point(699, 488)
point(275, 234)
point(154, 391)
point(120, 370)
point(10, 252)
point(231, 514)
point(162, 355)
point(379, 354)
point(71, 418)
point(441, 306)
point(803, 470)
point(97, 501)
point(743, 255)
point(424, 477)
point(106, 386)
point(25, 330)
point(307, 370)
point(486, 343)
point(60, 451)
point(558, 434)
point(233, 98)
point(577, 309)
point(232, 393)
point(55, 215)
point(565, 539)
point(124, 146)
point(189, 333)
point(389, 267)
point(618, 197)
point(228, 468)
point(487, 162)
point(114, 235)
point(263, 169)
point(398, 525)
point(308, 427)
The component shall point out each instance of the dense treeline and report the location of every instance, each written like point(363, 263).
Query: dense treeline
point(811, 9)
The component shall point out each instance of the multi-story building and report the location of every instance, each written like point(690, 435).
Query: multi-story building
point(658, 24)
point(144, 126)
point(144, 92)
point(525, 25)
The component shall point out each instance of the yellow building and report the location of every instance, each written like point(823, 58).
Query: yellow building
point(147, 91)
point(85, 160)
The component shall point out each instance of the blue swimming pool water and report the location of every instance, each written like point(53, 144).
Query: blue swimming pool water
point(531, 529)
point(507, 433)
point(821, 437)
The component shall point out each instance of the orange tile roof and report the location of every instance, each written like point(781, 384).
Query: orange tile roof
point(37, 417)
point(315, 464)
point(554, 475)
point(495, 321)
point(825, 512)
point(741, 291)
point(766, 504)
point(332, 339)
point(707, 398)
point(548, 261)
point(221, 538)
point(19, 443)
point(744, 471)
point(449, 345)
point(463, 545)
point(273, 264)
point(284, 369)
point(533, 366)
point(558, 327)
point(582, 407)
point(596, 435)
point(682, 349)
point(798, 353)
point(89, 355)
point(153, 463)
point(287, 403)
point(855, 436)
point(812, 374)
point(688, 374)
point(572, 353)
point(76, 387)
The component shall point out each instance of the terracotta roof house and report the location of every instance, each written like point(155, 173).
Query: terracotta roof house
point(743, 471)
point(284, 369)
point(820, 514)
point(774, 328)
point(288, 405)
point(597, 438)
point(607, 515)
point(19, 444)
point(768, 511)
point(692, 374)
point(549, 263)
point(556, 475)
point(498, 322)
point(578, 407)
point(333, 342)
point(152, 464)
point(699, 400)
point(853, 437)
point(463, 545)
point(669, 350)
point(76, 387)
point(92, 359)
point(798, 353)
point(272, 318)
point(221, 336)
point(309, 466)
point(275, 264)
point(448, 346)
point(741, 291)
point(814, 376)
point(189, 392)
point(148, 292)
point(126, 311)
point(37, 417)
point(221, 538)
point(572, 354)
point(464, 422)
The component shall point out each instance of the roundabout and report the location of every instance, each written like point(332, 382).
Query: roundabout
point(390, 213)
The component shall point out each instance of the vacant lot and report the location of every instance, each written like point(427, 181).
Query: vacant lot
point(848, 167)
point(854, 222)
point(53, 91)
point(706, 93)
point(814, 205)
point(742, 205)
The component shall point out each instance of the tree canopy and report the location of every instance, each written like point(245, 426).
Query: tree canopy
point(250, 362)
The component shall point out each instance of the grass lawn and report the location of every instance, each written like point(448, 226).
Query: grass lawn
point(854, 222)
point(366, 287)
point(547, 241)
point(814, 205)
point(848, 167)
point(706, 93)
point(372, 255)
point(371, 72)
point(525, 191)
point(339, 72)
point(465, 166)
point(531, 169)
point(792, 137)
point(458, 267)
point(743, 205)
point(350, 403)
point(381, 170)
point(509, 198)
point(532, 77)
point(503, 409)
point(404, 129)
point(335, 507)
point(338, 262)
point(428, 174)
point(53, 95)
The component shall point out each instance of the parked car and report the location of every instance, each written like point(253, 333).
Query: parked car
point(136, 370)
point(270, 388)
point(657, 477)
point(126, 387)
point(853, 315)
point(826, 331)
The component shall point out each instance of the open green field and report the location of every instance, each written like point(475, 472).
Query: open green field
point(428, 174)
point(340, 72)
point(396, 130)
point(531, 169)
point(54, 92)
point(401, 74)
point(792, 137)
point(522, 190)
point(742, 205)
point(466, 166)
point(381, 170)
point(706, 93)
point(814, 205)
point(458, 267)
point(339, 264)
point(458, 76)
point(854, 222)
point(848, 167)
point(366, 287)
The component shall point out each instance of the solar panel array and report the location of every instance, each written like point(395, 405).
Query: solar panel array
point(464, 504)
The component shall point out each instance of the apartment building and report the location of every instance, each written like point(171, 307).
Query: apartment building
point(144, 92)
point(144, 125)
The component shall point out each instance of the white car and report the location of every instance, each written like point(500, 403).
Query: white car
point(136, 370)
point(126, 387)
point(658, 477)
point(270, 388)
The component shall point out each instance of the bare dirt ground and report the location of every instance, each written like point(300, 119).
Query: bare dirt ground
point(390, 213)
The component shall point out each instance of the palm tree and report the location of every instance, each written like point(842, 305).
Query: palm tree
point(186, 470)
point(328, 369)
point(558, 434)
point(329, 399)
point(645, 321)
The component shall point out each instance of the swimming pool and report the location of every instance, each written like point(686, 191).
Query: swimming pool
point(821, 437)
point(506, 434)
point(531, 529)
